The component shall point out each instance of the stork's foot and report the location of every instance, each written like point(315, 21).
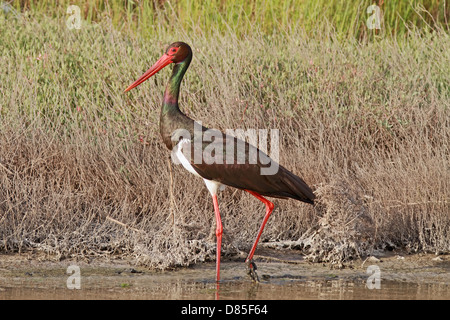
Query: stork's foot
point(251, 270)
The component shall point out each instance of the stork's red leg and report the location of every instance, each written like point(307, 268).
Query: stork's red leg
point(219, 231)
point(269, 208)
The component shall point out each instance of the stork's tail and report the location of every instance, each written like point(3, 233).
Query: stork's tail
point(299, 189)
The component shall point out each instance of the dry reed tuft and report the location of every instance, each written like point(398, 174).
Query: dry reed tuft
point(344, 230)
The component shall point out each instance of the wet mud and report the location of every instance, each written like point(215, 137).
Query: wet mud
point(283, 275)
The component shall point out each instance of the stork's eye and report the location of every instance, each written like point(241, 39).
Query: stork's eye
point(173, 50)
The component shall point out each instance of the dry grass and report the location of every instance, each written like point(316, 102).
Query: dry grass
point(367, 125)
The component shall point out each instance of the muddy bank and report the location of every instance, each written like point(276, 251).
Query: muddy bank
point(284, 275)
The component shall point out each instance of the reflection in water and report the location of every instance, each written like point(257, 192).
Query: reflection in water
point(245, 290)
point(240, 290)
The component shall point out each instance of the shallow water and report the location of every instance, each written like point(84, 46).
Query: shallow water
point(421, 279)
point(399, 277)
point(297, 290)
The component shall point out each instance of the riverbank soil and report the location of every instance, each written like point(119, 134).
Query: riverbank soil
point(283, 275)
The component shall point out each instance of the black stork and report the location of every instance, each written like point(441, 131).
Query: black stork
point(239, 168)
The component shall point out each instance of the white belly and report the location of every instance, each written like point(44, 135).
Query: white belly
point(179, 157)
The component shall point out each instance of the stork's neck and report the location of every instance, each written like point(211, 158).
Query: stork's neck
point(171, 117)
point(172, 92)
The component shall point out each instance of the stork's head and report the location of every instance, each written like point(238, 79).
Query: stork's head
point(177, 52)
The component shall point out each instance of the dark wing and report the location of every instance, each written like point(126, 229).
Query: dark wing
point(238, 164)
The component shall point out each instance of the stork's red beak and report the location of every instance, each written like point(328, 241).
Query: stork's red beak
point(161, 63)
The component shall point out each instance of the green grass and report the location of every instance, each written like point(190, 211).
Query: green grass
point(347, 18)
point(365, 123)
